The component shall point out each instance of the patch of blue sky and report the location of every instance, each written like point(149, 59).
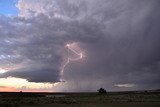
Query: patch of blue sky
point(8, 7)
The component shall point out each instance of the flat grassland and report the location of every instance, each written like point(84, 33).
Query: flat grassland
point(111, 99)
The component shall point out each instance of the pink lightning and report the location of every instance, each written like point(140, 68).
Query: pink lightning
point(74, 48)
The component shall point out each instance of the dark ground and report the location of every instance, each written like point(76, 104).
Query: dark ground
point(111, 99)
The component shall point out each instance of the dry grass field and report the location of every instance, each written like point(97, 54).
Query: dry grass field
point(111, 99)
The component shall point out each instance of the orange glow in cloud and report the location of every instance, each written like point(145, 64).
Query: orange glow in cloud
point(12, 89)
point(7, 89)
point(19, 84)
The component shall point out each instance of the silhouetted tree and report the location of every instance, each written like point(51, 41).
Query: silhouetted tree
point(102, 91)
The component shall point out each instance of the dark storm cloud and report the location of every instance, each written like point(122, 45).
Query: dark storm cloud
point(35, 50)
point(128, 51)
point(120, 39)
point(36, 74)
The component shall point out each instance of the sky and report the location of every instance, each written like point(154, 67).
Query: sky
point(8, 8)
point(79, 45)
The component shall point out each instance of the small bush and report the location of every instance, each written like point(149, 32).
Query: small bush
point(102, 91)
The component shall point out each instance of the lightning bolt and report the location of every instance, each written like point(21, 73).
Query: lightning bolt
point(72, 47)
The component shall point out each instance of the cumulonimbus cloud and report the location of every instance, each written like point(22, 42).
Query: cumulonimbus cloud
point(121, 40)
